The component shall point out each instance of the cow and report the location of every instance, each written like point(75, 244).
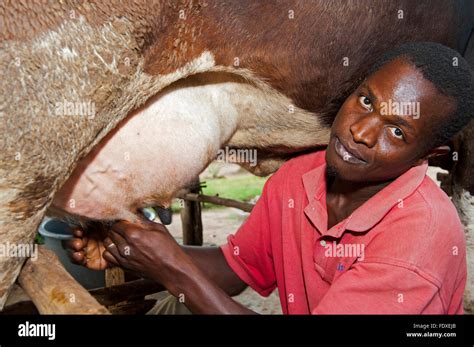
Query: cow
point(265, 75)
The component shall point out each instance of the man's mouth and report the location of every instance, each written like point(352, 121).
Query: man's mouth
point(347, 156)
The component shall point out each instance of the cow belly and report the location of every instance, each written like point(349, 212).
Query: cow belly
point(153, 153)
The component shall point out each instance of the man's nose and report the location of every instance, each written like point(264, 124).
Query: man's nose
point(365, 130)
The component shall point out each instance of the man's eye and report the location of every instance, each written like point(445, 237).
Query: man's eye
point(397, 132)
point(365, 102)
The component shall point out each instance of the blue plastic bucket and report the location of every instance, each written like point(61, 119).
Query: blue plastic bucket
point(54, 231)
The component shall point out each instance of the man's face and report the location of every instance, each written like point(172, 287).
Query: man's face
point(381, 127)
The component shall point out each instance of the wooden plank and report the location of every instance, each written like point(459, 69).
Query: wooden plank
point(131, 292)
point(52, 288)
point(134, 307)
point(17, 294)
point(22, 307)
point(114, 277)
point(128, 291)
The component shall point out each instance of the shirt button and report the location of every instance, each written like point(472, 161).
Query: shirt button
point(322, 243)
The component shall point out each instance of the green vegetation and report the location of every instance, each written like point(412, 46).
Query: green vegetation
point(39, 239)
point(241, 188)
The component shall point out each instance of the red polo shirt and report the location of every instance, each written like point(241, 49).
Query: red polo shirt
point(401, 252)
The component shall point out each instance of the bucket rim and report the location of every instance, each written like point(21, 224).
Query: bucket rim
point(45, 233)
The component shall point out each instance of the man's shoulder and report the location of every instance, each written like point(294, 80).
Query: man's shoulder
point(431, 215)
point(427, 232)
point(441, 209)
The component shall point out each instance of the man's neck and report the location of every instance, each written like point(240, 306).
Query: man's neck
point(344, 197)
point(352, 193)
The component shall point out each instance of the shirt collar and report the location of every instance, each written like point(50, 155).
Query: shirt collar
point(374, 209)
point(314, 182)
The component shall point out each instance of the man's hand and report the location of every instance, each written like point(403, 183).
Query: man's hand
point(200, 276)
point(146, 248)
point(87, 248)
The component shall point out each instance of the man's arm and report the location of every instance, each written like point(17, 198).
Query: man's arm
point(206, 283)
point(211, 261)
point(202, 275)
point(148, 248)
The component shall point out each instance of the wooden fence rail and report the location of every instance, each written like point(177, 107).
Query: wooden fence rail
point(191, 212)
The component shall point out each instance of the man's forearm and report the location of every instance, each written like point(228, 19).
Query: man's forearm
point(200, 294)
point(211, 261)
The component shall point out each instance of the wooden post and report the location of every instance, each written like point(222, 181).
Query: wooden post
point(114, 277)
point(52, 288)
point(191, 218)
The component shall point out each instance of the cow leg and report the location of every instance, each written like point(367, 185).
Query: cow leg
point(17, 235)
point(462, 183)
point(463, 198)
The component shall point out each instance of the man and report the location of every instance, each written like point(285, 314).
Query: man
point(358, 228)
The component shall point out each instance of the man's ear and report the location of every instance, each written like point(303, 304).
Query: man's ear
point(435, 152)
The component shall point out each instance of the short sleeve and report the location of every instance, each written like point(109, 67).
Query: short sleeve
point(249, 253)
point(377, 288)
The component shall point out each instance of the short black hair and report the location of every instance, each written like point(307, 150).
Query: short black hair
point(452, 76)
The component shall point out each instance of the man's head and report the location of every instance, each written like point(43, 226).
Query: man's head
point(414, 99)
